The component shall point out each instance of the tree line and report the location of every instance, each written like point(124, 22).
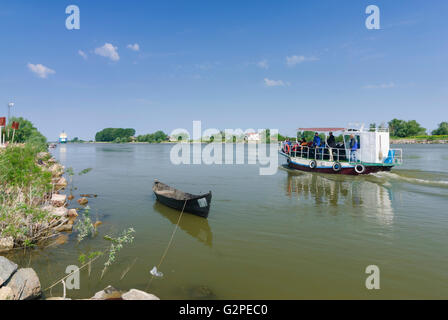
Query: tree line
point(404, 129)
point(120, 135)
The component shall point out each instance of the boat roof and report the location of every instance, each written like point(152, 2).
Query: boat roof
point(322, 129)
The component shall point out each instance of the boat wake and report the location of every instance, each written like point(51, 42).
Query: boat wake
point(432, 179)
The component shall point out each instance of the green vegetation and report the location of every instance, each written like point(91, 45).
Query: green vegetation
point(403, 129)
point(117, 135)
point(26, 133)
point(156, 137)
point(24, 186)
point(441, 130)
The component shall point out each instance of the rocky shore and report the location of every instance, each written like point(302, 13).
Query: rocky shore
point(23, 284)
point(49, 216)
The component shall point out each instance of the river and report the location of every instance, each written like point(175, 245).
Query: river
point(285, 236)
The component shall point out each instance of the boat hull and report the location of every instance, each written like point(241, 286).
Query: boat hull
point(197, 205)
point(327, 167)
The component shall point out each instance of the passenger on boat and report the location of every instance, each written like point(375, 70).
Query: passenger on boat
point(331, 142)
point(316, 140)
point(353, 148)
point(303, 143)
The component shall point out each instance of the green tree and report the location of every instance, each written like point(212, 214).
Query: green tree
point(402, 129)
point(441, 130)
point(26, 132)
point(414, 129)
point(112, 134)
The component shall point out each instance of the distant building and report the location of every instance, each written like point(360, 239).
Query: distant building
point(252, 137)
point(63, 137)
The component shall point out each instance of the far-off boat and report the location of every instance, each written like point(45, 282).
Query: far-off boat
point(195, 204)
point(63, 138)
point(360, 152)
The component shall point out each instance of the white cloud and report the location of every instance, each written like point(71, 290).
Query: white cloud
point(82, 54)
point(274, 83)
point(380, 86)
point(294, 60)
point(40, 70)
point(108, 51)
point(263, 64)
point(134, 47)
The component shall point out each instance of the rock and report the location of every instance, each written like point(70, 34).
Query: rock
point(107, 294)
point(65, 228)
point(25, 284)
point(6, 293)
point(6, 244)
point(58, 200)
point(83, 201)
point(43, 155)
point(97, 224)
point(70, 197)
point(72, 213)
point(61, 184)
point(56, 170)
point(135, 294)
point(88, 195)
point(62, 239)
point(59, 212)
point(7, 268)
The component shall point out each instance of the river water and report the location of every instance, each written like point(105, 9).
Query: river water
point(286, 236)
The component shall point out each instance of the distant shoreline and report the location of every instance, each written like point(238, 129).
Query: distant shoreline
point(417, 141)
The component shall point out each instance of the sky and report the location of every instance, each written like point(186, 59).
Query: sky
point(159, 65)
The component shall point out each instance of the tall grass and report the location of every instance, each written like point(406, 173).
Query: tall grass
point(24, 187)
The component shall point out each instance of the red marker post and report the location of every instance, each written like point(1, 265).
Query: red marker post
point(14, 126)
point(2, 124)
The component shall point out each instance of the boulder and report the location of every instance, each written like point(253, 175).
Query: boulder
point(6, 244)
point(65, 228)
point(56, 170)
point(43, 155)
point(97, 224)
point(72, 213)
point(59, 212)
point(135, 294)
point(58, 200)
point(61, 184)
point(83, 201)
point(6, 293)
point(7, 269)
point(107, 294)
point(25, 284)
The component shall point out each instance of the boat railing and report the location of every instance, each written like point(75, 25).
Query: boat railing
point(395, 157)
point(315, 153)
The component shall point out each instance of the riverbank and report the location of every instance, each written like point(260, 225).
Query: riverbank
point(418, 141)
point(33, 208)
point(24, 284)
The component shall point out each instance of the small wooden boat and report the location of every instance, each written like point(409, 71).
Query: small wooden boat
point(195, 204)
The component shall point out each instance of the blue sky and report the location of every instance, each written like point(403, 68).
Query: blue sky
point(230, 64)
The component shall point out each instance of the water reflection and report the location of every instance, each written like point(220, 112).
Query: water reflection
point(62, 153)
point(195, 226)
point(344, 193)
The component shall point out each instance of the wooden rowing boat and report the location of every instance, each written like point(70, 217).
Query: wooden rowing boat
point(195, 204)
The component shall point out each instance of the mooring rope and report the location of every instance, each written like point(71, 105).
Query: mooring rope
point(169, 243)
